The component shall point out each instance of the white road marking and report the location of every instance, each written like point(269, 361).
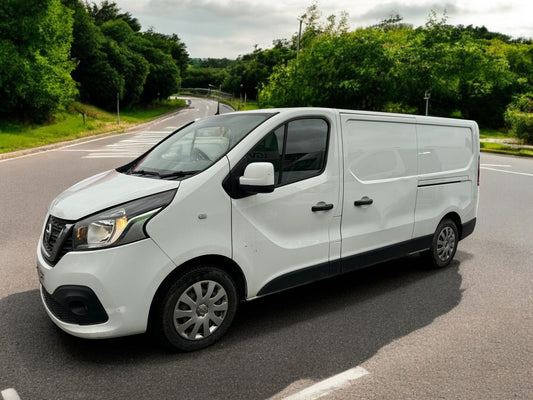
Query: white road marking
point(507, 172)
point(130, 147)
point(496, 165)
point(10, 394)
point(325, 387)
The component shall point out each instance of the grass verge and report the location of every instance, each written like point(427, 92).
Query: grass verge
point(70, 125)
point(492, 134)
point(504, 149)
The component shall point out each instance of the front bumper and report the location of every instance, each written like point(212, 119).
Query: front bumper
point(103, 293)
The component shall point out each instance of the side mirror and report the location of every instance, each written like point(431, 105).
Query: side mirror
point(258, 178)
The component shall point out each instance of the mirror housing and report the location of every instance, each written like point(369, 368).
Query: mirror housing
point(258, 178)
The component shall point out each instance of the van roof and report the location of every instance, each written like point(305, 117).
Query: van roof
point(421, 119)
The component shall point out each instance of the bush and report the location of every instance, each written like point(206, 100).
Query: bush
point(519, 117)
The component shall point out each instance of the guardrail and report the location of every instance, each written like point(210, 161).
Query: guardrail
point(206, 92)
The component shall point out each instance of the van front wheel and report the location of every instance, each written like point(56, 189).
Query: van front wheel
point(444, 244)
point(196, 310)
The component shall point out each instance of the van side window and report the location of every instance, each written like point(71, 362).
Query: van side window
point(269, 149)
point(297, 150)
point(305, 150)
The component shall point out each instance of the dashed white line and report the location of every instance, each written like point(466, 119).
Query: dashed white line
point(325, 387)
point(496, 165)
point(10, 394)
point(507, 172)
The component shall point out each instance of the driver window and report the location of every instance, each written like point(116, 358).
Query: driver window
point(297, 150)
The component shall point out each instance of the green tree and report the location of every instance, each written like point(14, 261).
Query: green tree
point(390, 66)
point(163, 78)
point(172, 45)
point(97, 79)
point(109, 11)
point(35, 65)
point(251, 71)
point(337, 70)
point(202, 77)
point(122, 49)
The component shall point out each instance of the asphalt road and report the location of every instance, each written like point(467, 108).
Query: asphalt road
point(465, 332)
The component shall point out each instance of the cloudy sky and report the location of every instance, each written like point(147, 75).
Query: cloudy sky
point(229, 28)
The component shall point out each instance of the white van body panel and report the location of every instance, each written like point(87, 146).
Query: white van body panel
point(198, 221)
point(103, 191)
point(448, 157)
point(380, 163)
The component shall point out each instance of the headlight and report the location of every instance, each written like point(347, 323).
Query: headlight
point(119, 225)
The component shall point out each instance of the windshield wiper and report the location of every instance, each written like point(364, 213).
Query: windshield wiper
point(175, 174)
point(144, 172)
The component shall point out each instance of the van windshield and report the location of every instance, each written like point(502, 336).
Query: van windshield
point(197, 146)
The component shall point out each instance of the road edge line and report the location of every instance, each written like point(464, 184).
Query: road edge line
point(10, 394)
point(324, 387)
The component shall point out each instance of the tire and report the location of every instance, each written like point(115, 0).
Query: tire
point(196, 309)
point(444, 244)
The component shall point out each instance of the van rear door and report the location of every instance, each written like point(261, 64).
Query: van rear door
point(380, 186)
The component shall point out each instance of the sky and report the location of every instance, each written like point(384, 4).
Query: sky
point(229, 28)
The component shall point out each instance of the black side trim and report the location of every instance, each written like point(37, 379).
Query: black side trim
point(296, 278)
point(468, 228)
point(355, 262)
point(352, 263)
point(439, 184)
point(387, 253)
point(75, 305)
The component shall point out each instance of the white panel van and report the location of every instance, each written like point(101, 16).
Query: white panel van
point(241, 205)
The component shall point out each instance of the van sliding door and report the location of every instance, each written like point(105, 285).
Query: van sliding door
point(380, 186)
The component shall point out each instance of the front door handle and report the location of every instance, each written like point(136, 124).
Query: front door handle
point(365, 201)
point(322, 206)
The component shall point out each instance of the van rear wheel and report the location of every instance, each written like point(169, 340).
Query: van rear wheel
point(196, 309)
point(444, 244)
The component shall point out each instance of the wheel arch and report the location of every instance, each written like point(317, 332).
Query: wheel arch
point(225, 264)
point(456, 219)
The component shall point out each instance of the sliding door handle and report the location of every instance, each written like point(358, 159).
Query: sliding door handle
point(322, 206)
point(365, 201)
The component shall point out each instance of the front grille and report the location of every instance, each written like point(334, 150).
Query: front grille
point(57, 239)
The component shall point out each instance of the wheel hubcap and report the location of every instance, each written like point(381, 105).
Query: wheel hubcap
point(445, 244)
point(200, 310)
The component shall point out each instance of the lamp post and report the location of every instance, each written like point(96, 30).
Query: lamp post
point(427, 97)
point(218, 97)
point(299, 36)
point(118, 109)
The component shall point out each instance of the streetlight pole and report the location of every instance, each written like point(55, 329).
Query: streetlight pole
point(427, 97)
point(218, 96)
point(118, 108)
point(299, 36)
